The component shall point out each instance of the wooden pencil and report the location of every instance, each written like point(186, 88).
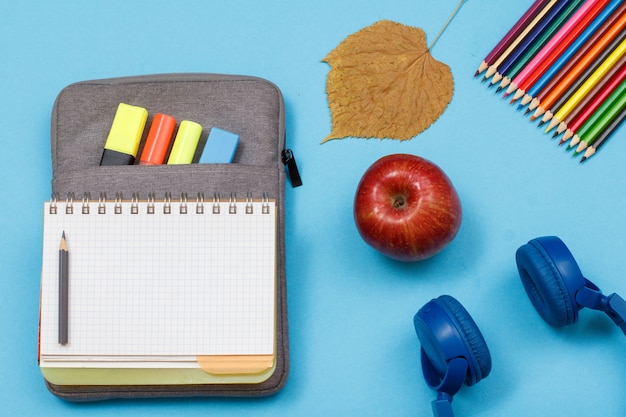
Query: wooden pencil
point(604, 136)
point(510, 36)
point(526, 30)
point(593, 79)
point(557, 45)
point(598, 23)
point(536, 47)
point(561, 101)
point(582, 70)
point(63, 290)
point(535, 34)
point(610, 30)
point(592, 101)
point(601, 118)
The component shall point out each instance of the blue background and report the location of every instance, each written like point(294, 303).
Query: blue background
point(353, 347)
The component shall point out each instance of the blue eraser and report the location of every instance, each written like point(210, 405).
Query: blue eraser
point(220, 147)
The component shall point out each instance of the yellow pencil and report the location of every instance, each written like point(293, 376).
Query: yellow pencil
point(593, 79)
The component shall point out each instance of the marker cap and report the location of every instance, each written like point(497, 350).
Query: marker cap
point(122, 143)
point(220, 147)
point(158, 141)
point(185, 144)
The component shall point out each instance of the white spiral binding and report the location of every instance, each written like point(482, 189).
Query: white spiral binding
point(151, 203)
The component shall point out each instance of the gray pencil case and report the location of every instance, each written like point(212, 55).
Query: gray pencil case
point(250, 106)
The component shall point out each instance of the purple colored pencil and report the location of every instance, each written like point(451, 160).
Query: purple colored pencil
point(510, 36)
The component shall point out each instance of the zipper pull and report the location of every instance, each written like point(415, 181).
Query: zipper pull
point(292, 168)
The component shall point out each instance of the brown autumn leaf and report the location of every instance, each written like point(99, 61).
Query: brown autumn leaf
point(384, 83)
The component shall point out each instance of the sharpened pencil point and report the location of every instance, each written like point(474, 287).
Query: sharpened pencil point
point(583, 159)
point(477, 73)
point(532, 118)
point(555, 134)
point(520, 107)
point(527, 111)
point(541, 123)
point(498, 89)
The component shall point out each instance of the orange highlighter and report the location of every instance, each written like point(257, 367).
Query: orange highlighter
point(158, 140)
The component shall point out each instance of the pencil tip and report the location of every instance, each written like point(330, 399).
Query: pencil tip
point(498, 89)
point(63, 235)
point(541, 123)
point(520, 107)
point(583, 159)
point(477, 73)
point(527, 111)
point(555, 134)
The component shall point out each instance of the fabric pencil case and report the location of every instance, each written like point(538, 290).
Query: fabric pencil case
point(82, 115)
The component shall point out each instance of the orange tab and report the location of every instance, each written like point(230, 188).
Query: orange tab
point(235, 364)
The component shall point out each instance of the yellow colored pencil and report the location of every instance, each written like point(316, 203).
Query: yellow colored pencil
point(593, 79)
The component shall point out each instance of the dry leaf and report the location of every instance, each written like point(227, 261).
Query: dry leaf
point(384, 83)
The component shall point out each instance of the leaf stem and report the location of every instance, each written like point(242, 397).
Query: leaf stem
point(445, 26)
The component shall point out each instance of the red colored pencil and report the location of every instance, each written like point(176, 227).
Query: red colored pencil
point(619, 70)
point(508, 38)
point(613, 24)
point(594, 104)
point(557, 45)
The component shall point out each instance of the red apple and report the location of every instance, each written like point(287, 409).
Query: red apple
point(406, 207)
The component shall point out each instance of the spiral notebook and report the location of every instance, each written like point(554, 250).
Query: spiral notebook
point(159, 290)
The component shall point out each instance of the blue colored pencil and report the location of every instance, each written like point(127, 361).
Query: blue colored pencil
point(570, 52)
point(529, 40)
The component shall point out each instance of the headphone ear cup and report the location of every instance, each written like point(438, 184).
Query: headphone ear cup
point(447, 332)
point(551, 279)
point(473, 338)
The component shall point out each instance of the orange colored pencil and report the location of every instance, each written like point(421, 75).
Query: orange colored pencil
point(579, 68)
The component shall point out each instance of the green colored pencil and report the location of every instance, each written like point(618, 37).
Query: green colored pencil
point(600, 119)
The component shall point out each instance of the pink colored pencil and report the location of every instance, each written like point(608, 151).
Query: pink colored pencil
point(586, 8)
point(508, 38)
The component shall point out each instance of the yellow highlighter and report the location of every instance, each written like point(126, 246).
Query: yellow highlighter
point(185, 143)
point(123, 141)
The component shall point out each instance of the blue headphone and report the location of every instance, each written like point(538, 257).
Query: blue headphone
point(454, 351)
point(556, 286)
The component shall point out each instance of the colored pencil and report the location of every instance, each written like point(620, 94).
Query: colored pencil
point(510, 36)
point(592, 101)
point(607, 111)
point(494, 67)
point(560, 102)
point(570, 52)
point(536, 47)
point(602, 123)
point(557, 45)
point(604, 136)
point(535, 34)
point(583, 69)
point(609, 31)
point(602, 70)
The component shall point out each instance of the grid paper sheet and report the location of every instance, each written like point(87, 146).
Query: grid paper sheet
point(161, 284)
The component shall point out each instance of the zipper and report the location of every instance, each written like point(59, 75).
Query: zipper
point(289, 160)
